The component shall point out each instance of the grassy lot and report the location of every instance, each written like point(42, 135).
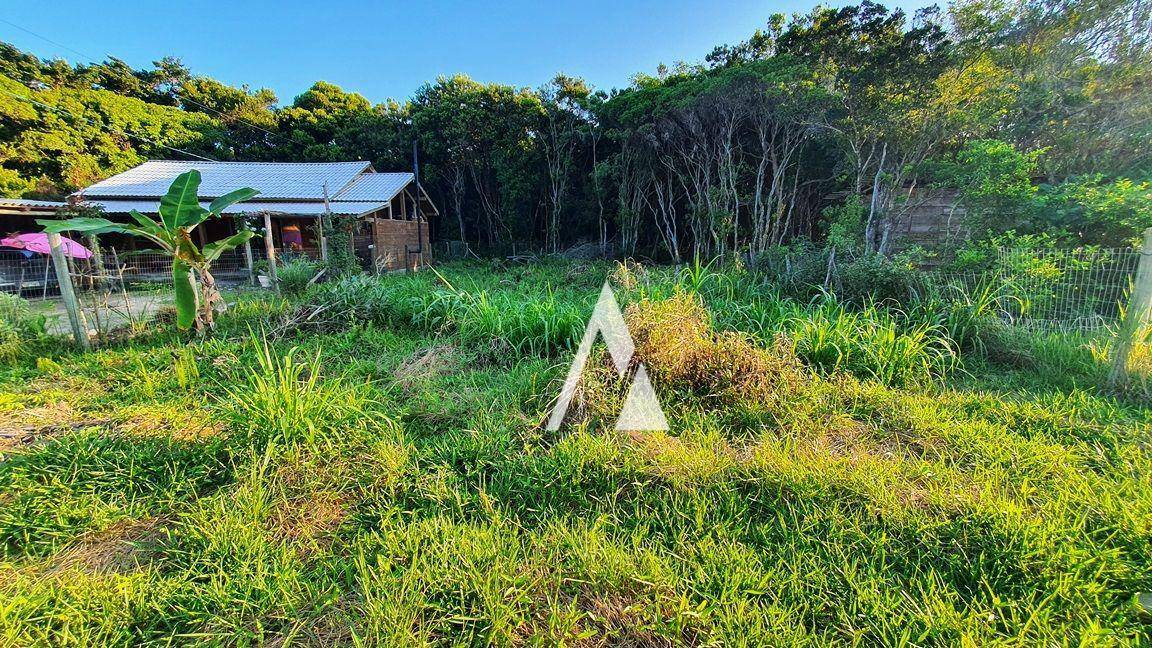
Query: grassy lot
point(366, 464)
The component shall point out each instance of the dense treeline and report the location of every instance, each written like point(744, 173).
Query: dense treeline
point(819, 126)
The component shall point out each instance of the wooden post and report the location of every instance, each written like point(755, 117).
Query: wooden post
point(1135, 316)
point(320, 228)
point(47, 262)
point(119, 271)
point(270, 247)
point(67, 294)
point(248, 261)
point(97, 260)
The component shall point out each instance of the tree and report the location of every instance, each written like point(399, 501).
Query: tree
point(564, 116)
point(487, 134)
point(180, 214)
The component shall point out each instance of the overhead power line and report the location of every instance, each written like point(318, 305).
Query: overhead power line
point(282, 138)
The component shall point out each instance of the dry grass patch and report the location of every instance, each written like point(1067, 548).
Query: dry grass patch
point(118, 548)
point(22, 428)
point(622, 622)
point(182, 423)
point(676, 341)
point(309, 522)
point(628, 275)
point(52, 414)
point(333, 627)
point(425, 364)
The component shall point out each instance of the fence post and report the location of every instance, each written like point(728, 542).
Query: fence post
point(271, 249)
point(1135, 316)
point(67, 294)
point(248, 262)
point(97, 261)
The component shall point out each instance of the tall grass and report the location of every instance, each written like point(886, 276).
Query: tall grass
point(288, 400)
point(1002, 507)
point(872, 342)
point(542, 323)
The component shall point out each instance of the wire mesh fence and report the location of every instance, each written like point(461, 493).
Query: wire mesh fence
point(26, 274)
point(32, 276)
point(1049, 289)
point(1055, 289)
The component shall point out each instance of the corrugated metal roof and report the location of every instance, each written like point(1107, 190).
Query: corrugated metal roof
point(375, 186)
point(22, 202)
point(289, 180)
point(294, 208)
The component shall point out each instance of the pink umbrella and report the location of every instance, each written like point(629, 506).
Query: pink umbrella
point(38, 242)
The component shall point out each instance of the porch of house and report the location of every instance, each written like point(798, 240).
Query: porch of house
point(383, 241)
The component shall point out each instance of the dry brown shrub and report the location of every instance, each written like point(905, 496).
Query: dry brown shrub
point(675, 340)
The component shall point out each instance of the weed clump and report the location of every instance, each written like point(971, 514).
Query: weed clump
point(675, 339)
point(628, 275)
point(19, 323)
point(296, 276)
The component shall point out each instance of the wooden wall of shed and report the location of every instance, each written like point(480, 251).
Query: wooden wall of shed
point(931, 219)
point(390, 238)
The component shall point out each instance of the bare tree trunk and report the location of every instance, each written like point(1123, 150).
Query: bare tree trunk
point(458, 197)
point(870, 225)
point(667, 217)
point(488, 205)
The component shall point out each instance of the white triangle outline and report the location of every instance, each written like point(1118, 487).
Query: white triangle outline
point(641, 404)
point(641, 411)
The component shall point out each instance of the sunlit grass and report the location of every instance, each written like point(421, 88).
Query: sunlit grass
point(866, 478)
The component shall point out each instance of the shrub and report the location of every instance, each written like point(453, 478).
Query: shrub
point(874, 278)
point(675, 340)
point(342, 259)
point(295, 275)
point(1106, 211)
point(20, 316)
point(19, 324)
point(798, 269)
point(10, 342)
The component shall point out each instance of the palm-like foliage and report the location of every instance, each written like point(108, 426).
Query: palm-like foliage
point(180, 214)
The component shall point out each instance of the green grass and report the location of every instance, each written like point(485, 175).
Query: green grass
point(366, 464)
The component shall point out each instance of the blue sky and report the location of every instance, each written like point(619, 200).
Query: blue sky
point(387, 49)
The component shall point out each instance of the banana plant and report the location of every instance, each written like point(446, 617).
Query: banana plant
point(180, 214)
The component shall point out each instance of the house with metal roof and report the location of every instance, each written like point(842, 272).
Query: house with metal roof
point(391, 211)
point(20, 214)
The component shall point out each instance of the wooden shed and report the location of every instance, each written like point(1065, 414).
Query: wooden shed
point(391, 211)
